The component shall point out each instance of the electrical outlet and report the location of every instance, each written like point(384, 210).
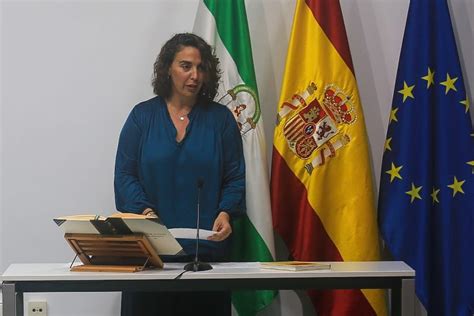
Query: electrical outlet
point(37, 308)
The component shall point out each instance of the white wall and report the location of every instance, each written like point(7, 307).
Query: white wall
point(72, 70)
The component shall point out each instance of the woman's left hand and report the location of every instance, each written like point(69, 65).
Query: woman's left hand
point(221, 227)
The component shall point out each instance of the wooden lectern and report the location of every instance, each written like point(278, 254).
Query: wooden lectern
point(113, 253)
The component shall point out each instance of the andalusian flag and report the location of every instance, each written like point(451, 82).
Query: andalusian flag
point(223, 24)
point(322, 190)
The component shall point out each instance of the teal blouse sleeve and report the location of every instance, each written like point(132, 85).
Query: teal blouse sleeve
point(232, 195)
point(129, 193)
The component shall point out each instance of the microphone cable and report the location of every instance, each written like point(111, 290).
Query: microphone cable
point(181, 274)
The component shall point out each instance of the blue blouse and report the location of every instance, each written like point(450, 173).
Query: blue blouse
point(153, 170)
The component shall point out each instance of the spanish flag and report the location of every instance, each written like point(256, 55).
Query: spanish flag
point(322, 192)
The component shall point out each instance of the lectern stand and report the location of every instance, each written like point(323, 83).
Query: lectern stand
point(113, 253)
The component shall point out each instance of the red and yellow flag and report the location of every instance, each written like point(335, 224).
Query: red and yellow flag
point(322, 191)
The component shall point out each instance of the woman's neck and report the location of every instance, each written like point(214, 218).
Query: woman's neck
point(180, 104)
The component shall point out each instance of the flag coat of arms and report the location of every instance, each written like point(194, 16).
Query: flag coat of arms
point(223, 24)
point(322, 191)
point(426, 202)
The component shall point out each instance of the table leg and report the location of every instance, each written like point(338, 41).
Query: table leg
point(12, 301)
point(408, 297)
point(396, 299)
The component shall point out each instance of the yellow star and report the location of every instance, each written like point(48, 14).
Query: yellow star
point(457, 186)
point(394, 172)
point(407, 91)
point(429, 78)
point(434, 195)
point(466, 104)
point(414, 192)
point(393, 115)
point(387, 144)
point(449, 83)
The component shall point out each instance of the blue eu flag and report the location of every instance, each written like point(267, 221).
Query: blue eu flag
point(426, 203)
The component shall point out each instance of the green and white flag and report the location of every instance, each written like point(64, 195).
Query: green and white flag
point(223, 24)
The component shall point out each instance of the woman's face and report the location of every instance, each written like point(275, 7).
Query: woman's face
point(187, 74)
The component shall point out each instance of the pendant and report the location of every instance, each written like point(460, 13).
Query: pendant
point(181, 118)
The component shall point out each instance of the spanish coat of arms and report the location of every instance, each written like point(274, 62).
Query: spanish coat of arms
point(316, 126)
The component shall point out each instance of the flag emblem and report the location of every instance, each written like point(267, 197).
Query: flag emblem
point(243, 102)
point(314, 126)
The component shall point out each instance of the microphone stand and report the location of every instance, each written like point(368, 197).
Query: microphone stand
point(196, 265)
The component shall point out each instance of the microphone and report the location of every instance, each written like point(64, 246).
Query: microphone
point(196, 265)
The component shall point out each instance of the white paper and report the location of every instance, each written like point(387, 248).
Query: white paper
point(190, 233)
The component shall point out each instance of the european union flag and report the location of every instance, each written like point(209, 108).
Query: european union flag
point(426, 203)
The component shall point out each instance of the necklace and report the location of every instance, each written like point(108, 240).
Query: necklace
point(180, 117)
point(173, 112)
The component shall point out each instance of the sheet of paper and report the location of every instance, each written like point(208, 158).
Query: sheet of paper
point(190, 233)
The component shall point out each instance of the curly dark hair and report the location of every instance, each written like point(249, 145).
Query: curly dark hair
point(162, 82)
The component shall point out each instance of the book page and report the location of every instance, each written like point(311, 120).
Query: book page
point(190, 233)
point(156, 232)
point(78, 224)
point(81, 217)
point(130, 215)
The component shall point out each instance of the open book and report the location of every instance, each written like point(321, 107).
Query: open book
point(295, 265)
point(123, 224)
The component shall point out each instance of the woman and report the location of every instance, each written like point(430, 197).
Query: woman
point(167, 146)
